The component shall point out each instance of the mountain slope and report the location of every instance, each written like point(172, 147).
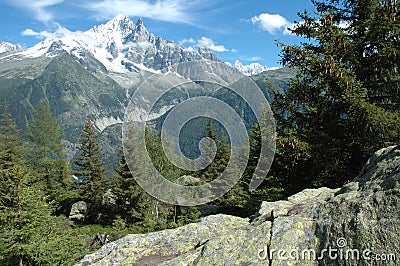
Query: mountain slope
point(94, 73)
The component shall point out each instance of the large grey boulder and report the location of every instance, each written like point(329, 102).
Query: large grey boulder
point(365, 214)
point(353, 225)
point(78, 211)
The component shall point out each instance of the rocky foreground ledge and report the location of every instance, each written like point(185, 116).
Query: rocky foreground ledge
point(358, 224)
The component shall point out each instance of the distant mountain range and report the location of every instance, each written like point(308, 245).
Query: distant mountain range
point(94, 73)
point(121, 46)
point(6, 47)
point(251, 69)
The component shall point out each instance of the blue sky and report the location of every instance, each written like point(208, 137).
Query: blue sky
point(235, 29)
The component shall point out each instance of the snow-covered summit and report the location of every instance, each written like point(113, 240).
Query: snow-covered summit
point(6, 47)
point(116, 29)
point(250, 69)
point(120, 45)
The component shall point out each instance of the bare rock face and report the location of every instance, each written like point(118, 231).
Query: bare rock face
point(357, 224)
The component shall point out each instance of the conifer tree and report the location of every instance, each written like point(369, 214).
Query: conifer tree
point(238, 194)
point(344, 102)
point(24, 212)
point(132, 202)
point(216, 168)
point(135, 205)
point(46, 154)
point(91, 171)
point(164, 215)
point(222, 155)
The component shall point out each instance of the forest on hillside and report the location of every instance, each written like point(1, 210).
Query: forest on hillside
point(342, 106)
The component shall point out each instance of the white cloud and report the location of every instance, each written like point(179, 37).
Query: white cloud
point(180, 11)
point(59, 33)
point(184, 41)
point(38, 8)
point(252, 58)
point(207, 43)
point(210, 44)
point(270, 22)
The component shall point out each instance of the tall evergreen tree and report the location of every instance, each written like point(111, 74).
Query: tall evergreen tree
point(46, 154)
point(91, 172)
point(11, 151)
point(238, 194)
point(24, 213)
point(165, 215)
point(222, 155)
point(132, 202)
point(344, 102)
point(272, 188)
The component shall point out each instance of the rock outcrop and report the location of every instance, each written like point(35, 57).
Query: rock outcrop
point(78, 211)
point(358, 224)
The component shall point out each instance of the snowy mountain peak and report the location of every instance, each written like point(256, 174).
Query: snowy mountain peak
point(6, 47)
point(120, 17)
point(120, 45)
point(119, 21)
point(139, 22)
point(250, 69)
point(55, 48)
point(120, 24)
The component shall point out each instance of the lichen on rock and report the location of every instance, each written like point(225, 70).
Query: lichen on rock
point(364, 215)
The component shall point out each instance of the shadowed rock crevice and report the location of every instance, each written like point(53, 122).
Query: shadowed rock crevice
point(361, 215)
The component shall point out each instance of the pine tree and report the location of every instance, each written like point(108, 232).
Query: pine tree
point(24, 212)
point(164, 215)
point(222, 155)
point(11, 151)
point(238, 194)
point(233, 197)
point(46, 154)
point(272, 187)
point(344, 102)
point(91, 172)
point(132, 202)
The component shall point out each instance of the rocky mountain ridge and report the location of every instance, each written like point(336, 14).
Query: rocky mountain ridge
point(121, 46)
point(6, 47)
point(250, 69)
point(93, 74)
point(357, 224)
